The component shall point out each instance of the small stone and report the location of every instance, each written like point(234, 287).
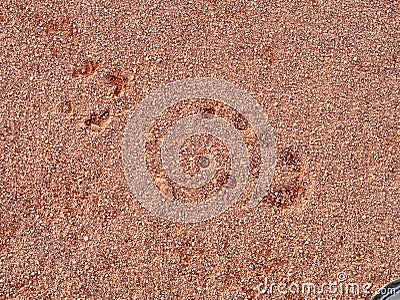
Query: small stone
point(204, 162)
point(85, 238)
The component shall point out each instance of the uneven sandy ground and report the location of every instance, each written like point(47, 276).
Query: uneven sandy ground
point(72, 72)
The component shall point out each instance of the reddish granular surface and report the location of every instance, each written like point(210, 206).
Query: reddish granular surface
point(71, 73)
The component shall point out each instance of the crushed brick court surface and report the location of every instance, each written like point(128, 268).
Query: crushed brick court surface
point(326, 74)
